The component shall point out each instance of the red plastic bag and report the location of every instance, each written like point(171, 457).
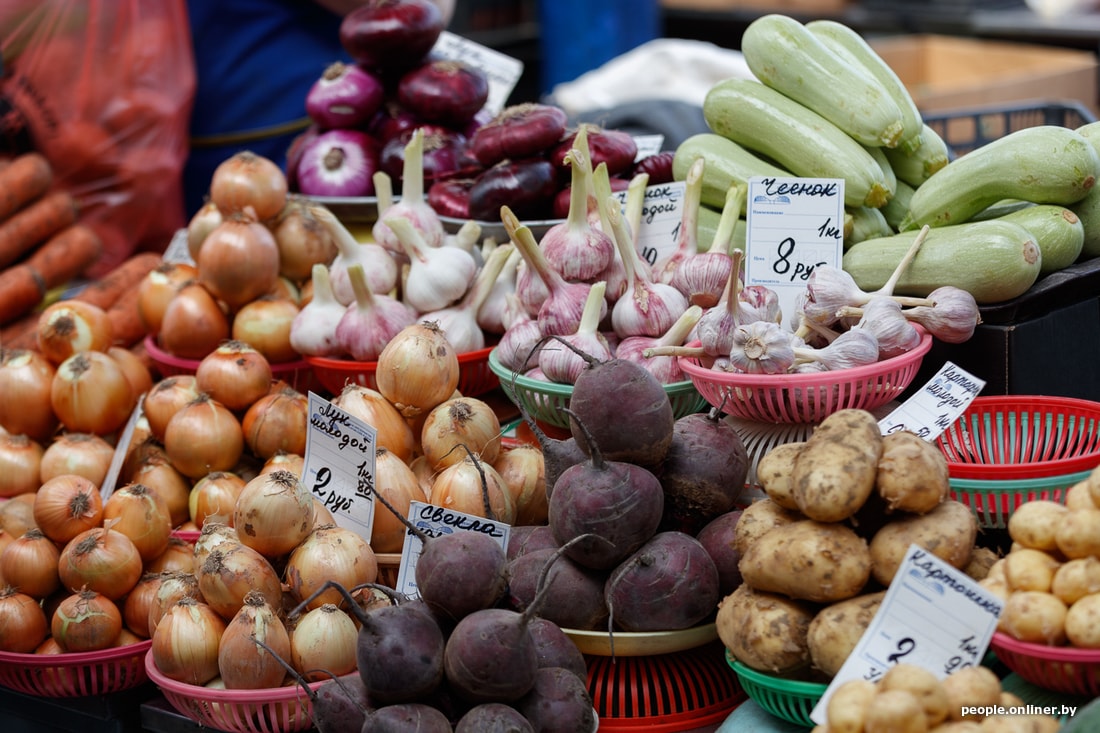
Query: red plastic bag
point(104, 89)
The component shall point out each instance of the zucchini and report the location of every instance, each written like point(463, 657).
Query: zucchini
point(897, 207)
point(917, 166)
point(856, 52)
point(1088, 208)
point(770, 124)
point(785, 55)
point(1046, 164)
point(891, 178)
point(993, 260)
point(1057, 230)
point(867, 223)
point(727, 164)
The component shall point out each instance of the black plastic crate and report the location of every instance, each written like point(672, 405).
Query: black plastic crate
point(965, 130)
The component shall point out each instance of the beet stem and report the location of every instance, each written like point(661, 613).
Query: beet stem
point(593, 450)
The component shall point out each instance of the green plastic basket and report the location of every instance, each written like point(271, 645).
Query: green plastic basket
point(994, 501)
point(543, 400)
point(791, 700)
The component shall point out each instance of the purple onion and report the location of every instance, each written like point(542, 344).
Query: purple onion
point(444, 153)
point(391, 120)
point(391, 34)
point(451, 197)
point(446, 92)
point(344, 96)
point(339, 163)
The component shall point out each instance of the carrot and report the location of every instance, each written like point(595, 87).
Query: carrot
point(21, 333)
point(126, 324)
point(65, 255)
point(21, 289)
point(126, 276)
point(24, 179)
point(34, 224)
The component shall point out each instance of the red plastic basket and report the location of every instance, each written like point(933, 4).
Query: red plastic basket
point(474, 376)
point(277, 710)
point(801, 398)
point(1069, 670)
point(76, 674)
point(298, 374)
point(1023, 437)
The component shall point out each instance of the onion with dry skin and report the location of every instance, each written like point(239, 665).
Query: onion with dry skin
point(82, 454)
point(91, 394)
point(166, 398)
point(277, 422)
point(264, 324)
point(473, 487)
point(329, 553)
point(194, 323)
point(142, 515)
point(158, 287)
point(23, 623)
point(69, 327)
point(17, 514)
point(157, 472)
point(20, 465)
point(399, 486)
point(215, 496)
point(26, 379)
point(29, 563)
point(370, 406)
point(185, 643)
point(523, 469)
point(67, 505)
point(100, 559)
point(457, 423)
point(203, 436)
point(274, 513)
point(323, 643)
point(178, 557)
point(226, 576)
point(86, 621)
point(418, 369)
point(136, 604)
point(242, 662)
point(235, 374)
point(172, 586)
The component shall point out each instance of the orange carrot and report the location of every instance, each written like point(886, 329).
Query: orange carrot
point(34, 224)
point(24, 179)
point(126, 276)
point(126, 324)
point(21, 333)
point(21, 289)
point(65, 255)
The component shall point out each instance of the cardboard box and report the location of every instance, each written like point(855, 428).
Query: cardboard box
point(947, 72)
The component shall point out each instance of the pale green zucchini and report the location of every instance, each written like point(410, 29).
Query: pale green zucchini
point(782, 53)
point(770, 124)
point(897, 207)
point(849, 44)
point(993, 260)
point(727, 164)
point(917, 166)
point(1057, 230)
point(891, 178)
point(867, 223)
point(1088, 208)
point(1046, 164)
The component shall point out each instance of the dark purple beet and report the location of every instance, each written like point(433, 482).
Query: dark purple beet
point(559, 702)
point(391, 34)
point(717, 537)
point(573, 596)
point(556, 649)
point(527, 186)
point(400, 653)
point(447, 92)
point(341, 704)
point(410, 717)
point(459, 573)
point(526, 538)
point(491, 656)
point(493, 717)
point(670, 583)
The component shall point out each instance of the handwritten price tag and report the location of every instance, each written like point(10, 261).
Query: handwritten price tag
point(662, 215)
point(502, 71)
point(339, 464)
point(793, 226)
point(933, 616)
point(938, 403)
point(436, 521)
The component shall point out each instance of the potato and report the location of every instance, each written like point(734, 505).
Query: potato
point(1093, 482)
point(1078, 497)
point(923, 685)
point(1028, 569)
point(1034, 616)
point(997, 570)
point(895, 711)
point(775, 471)
point(1075, 579)
point(835, 471)
point(758, 518)
point(996, 586)
point(846, 708)
point(912, 473)
point(808, 560)
point(957, 726)
point(837, 628)
point(1078, 534)
point(970, 686)
point(980, 562)
point(1083, 622)
point(948, 532)
point(1034, 523)
point(1012, 723)
point(765, 631)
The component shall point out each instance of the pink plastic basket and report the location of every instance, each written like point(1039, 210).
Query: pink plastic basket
point(1069, 670)
point(474, 375)
point(278, 710)
point(76, 674)
point(298, 374)
point(804, 398)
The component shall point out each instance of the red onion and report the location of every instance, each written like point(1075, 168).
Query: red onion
point(442, 154)
point(616, 148)
point(451, 197)
point(391, 34)
point(344, 96)
point(447, 92)
point(519, 131)
point(338, 163)
point(657, 166)
point(390, 121)
point(527, 186)
point(294, 153)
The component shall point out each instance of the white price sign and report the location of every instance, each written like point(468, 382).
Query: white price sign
point(939, 403)
point(662, 217)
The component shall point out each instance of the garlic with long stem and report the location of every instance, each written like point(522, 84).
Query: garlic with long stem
point(491, 314)
point(718, 323)
point(854, 348)
point(665, 368)
point(951, 317)
point(761, 347)
point(562, 364)
point(438, 276)
point(646, 308)
point(633, 208)
point(530, 288)
point(378, 264)
point(313, 330)
point(702, 276)
point(561, 310)
point(883, 317)
point(459, 322)
point(466, 237)
point(522, 339)
point(687, 241)
point(371, 321)
point(412, 205)
point(575, 248)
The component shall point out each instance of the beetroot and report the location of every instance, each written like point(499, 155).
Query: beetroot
point(459, 573)
point(491, 656)
point(411, 717)
point(559, 702)
point(341, 704)
point(526, 538)
point(717, 538)
point(573, 595)
point(400, 653)
point(670, 583)
point(493, 717)
point(556, 649)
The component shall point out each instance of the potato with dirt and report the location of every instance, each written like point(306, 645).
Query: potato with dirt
point(948, 532)
point(837, 628)
point(775, 472)
point(821, 562)
point(1035, 524)
point(1034, 616)
point(765, 631)
point(912, 473)
point(1079, 534)
point(835, 471)
point(757, 519)
point(1083, 622)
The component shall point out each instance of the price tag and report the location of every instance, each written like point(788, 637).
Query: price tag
point(436, 521)
point(122, 447)
point(648, 145)
point(938, 403)
point(339, 464)
point(932, 615)
point(662, 215)
point(177, 250)
point(502, 71)
point(793, 226)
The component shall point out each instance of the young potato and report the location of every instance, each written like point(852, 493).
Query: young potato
point(982, 559)
point(912, 473)
point(1093, 481)
point(895, 711)
point(757, 519)
point(775, 471)
point(765, 631)
point(1028, 569)
point(835, 471)
point(996, 586)
point(807, 560)
point(1083, 622)
point(1034, 524)
point(1078, 496)
point(846, 708)
point(970, 686)
point(1075, 579)
point(1034, 616)
point(923, 685)
point(1078, 535)
point(837, 628)
point(948, 532)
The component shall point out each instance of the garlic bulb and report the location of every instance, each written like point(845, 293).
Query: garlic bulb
point(666, 368)
point(371, 321)
point(854, 348)
point(412, 204)
point(761, 347)
point(521, 341)
point(438, 276)
point(313, 330)
point(378, 264)
point(687, 239)
point(952, 316)
point(717, 324)
point(882, 316)
point(575, 248)
point(459, 322)
point(491, 314)
point(562, 364)
point(702, 276)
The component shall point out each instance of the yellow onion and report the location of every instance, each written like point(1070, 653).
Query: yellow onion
point(179, 556)
point(166, 398)
point(523, 469)
point(234, 374)
point(461, 488)
point(274, 513)
point(82, 454)
point(20, 465)
point(67, 505)
point(329, 553)
point(17, 514)
point(23, 624)
point(86, 621)
point(425, 474)
point(203, 436)
point(100, 559)
point(173, 586)
point(242, 662)
point(212, 536)
point(214, 496)
point(457, 425)
point(323, 643)
point(398, 485)
point(276, 423)
point(136, 605)
point(226, 577)
point(371, 407)
point(292, 462)
point(142, 515)
point(157, 472)
point(185, 643)
point(29, 563)
point(418, 369)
